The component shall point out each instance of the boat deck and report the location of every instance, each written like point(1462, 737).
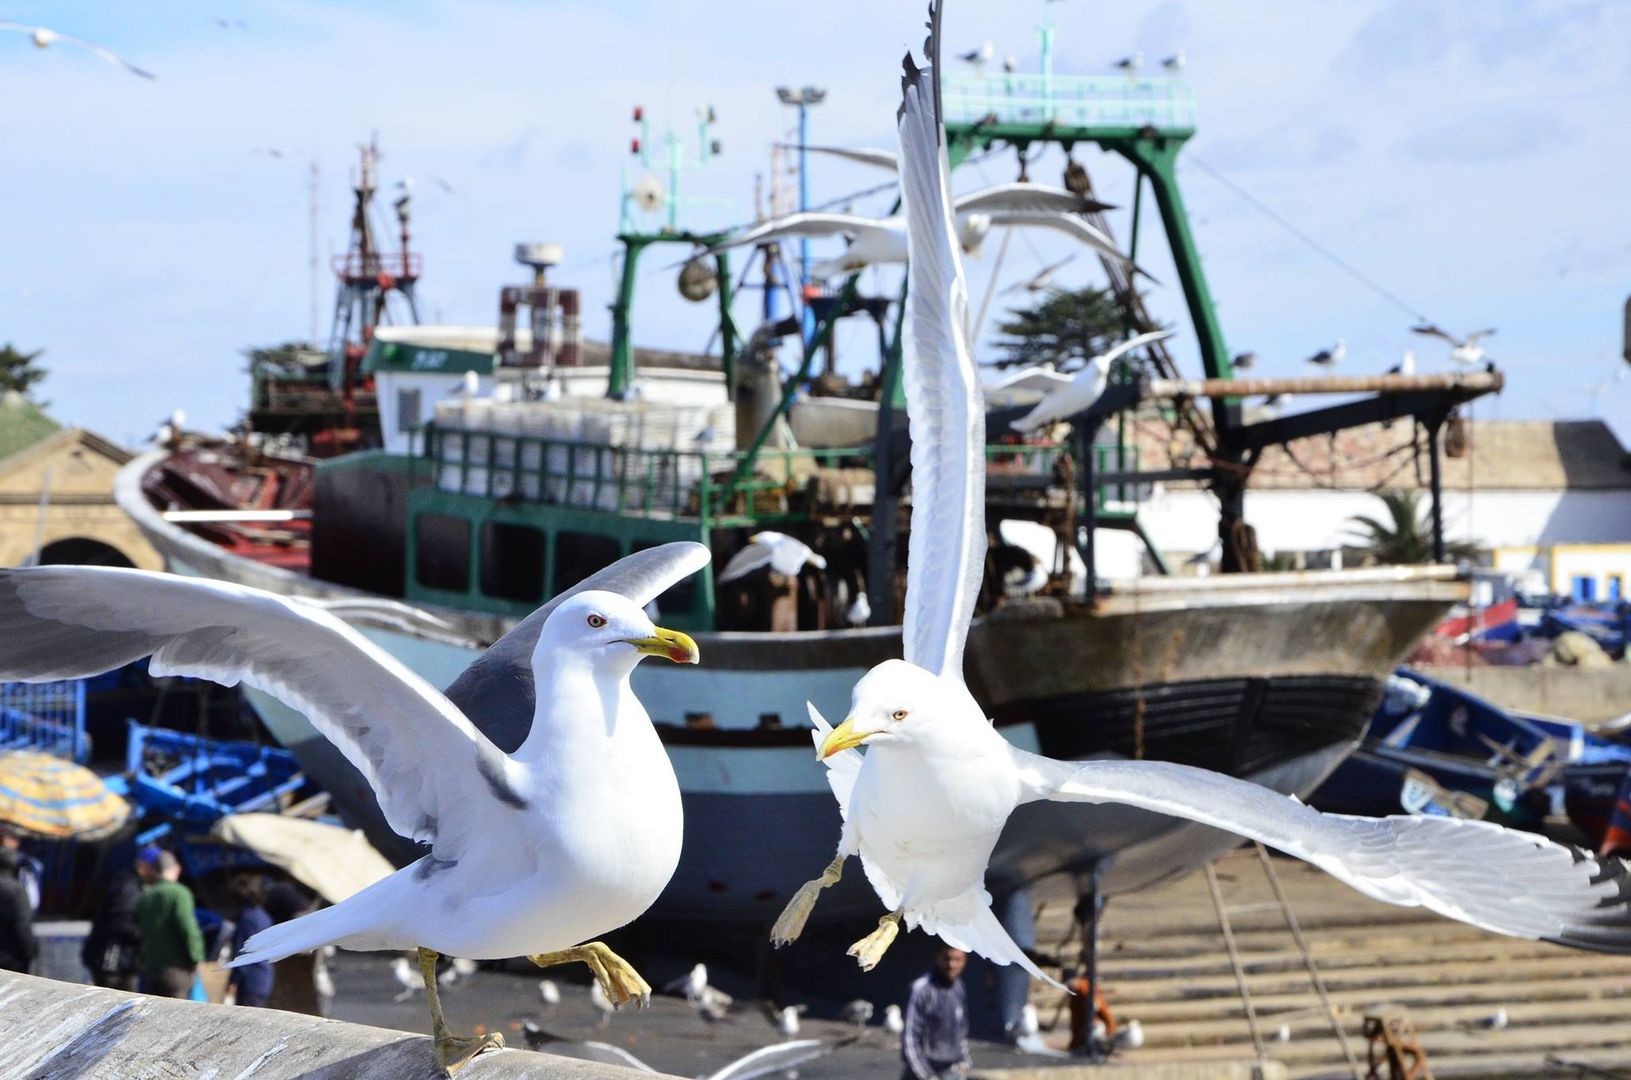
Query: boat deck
point(1164, 963)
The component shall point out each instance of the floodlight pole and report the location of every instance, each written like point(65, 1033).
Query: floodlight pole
point(802, 99)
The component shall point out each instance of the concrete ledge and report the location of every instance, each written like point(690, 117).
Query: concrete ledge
point(1132, 1070)
point(50, 1030)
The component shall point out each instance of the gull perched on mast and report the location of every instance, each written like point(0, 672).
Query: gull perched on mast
point(924, 806)
point(44, 37)
point(531, 854)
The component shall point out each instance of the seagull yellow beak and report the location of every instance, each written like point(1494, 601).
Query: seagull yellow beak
point(843, 737)
point(676, 646)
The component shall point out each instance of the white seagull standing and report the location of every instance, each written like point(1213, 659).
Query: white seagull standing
point(875, 241)
point(924, 806)
point(531, 854)
point(1076, 392)
point(44, 37)
point(1328, 359)
point(1465, 350)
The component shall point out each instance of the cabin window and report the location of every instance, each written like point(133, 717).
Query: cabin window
point(407, 409)
point(1583, 588)
point(442, 551)
point(1616, 587)
point(681, 598)
point(512, 562)
point(577, 555)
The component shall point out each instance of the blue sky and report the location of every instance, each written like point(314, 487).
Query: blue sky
point(1469, 156)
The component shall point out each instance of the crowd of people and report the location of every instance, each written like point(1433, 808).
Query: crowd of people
point(147, 934)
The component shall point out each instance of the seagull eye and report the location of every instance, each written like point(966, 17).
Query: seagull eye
point(597, 621)
point(898, 715)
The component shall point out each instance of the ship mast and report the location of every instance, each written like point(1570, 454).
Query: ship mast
point(367, 278)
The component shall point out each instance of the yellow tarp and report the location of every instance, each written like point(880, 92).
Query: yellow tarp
point(332, 861)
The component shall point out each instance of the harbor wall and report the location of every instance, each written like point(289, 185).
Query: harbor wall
point(1589, 695)
point(51, 1030)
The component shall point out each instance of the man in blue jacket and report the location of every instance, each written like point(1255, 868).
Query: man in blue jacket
point(934, 1045)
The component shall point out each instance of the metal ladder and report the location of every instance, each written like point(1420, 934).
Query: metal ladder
point(1280, 901)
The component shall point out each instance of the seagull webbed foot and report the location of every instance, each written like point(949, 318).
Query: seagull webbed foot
point(618, 980)
point(454, 1052)
point(790, 923)
point(870, 949)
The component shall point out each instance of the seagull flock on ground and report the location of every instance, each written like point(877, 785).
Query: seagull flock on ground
point(539, 852)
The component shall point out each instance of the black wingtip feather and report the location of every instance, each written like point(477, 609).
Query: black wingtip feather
point(931, 56)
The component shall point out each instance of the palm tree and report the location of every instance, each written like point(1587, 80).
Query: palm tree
point(1065, 328)
point(1406, 537)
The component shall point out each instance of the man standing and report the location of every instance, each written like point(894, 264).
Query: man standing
point(934, 1045)
point(171, 945)
point(17, 947)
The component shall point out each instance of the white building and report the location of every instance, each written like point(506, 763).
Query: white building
point(1549, 496)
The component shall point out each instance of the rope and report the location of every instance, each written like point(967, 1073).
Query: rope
point(1347, 267)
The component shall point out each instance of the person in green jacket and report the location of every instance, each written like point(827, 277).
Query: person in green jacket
point(171, 945)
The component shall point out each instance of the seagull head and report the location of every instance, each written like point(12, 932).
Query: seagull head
point(971, 231)
point(608, 628)
point(894, 702)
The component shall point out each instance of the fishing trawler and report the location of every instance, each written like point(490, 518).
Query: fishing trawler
point(514, 460)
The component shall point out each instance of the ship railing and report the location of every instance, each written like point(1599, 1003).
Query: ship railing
point(47, 717)
point(1071, 101)
point(691, 484)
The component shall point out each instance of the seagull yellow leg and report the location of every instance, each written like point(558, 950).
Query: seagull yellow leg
point(453, 1052)
point(617, 977)
point(870, 949)
point(790, 923)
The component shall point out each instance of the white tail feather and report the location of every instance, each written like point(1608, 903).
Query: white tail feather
point(983, 934)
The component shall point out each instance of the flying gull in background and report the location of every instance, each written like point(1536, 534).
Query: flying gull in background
point(532, 854)
point(1465, 350)
point(43, 37)
point(1327, 359)
point(883, 240)
point(1077, 392)
point(784, 554)
point(924, 806)
point(1041, 279)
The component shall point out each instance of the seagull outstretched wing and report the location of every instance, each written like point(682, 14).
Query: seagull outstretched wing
point(808, 223)
point(497, 689)
point(882, 159)
point(67, 622)
point(44, 36)
point(946, 554)
point(1073, 226)
point(1499, 879)
point(1026, 198)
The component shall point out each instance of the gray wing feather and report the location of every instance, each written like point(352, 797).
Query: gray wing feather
point(946, 412)
point(774, 1058)
point(73, 621)
point(497, 690)
point(1500, 879)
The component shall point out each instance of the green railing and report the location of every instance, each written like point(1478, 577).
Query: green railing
point(689, 485)
point(1071, 101)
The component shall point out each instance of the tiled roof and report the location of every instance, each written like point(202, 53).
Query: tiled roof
point(21, 424)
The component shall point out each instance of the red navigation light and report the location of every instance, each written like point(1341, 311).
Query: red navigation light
point(639, 114)
point(634, 145)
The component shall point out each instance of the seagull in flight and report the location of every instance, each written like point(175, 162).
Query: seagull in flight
point(1077, 392)
point(1465, 350)
point(1328, 359)
point(1041, 279)
point(924, 805)
point(532, 854)
point(883, 240)
point(44, 37)
point(786, 555)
